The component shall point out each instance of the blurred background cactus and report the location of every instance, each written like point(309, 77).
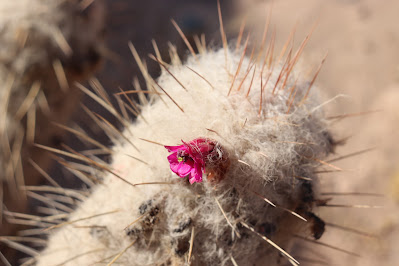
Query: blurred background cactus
point(46, 46)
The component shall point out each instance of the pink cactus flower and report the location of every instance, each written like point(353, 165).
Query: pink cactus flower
point(190, 158)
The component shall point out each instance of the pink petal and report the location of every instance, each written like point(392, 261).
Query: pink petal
point(175, 167)
point(190, 158)
point(199, 148)
point(184, 169)
point(175, 148)
point(205, 148)
point(196, 174)
point(173, 158)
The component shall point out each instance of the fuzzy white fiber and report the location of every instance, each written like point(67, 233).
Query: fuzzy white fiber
point(268, 149)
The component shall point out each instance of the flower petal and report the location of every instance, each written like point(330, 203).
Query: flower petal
point(184, 169)
point(191, 158)
point(175, 148)
point(173, 158)
point(196, 174)
point(175, 167)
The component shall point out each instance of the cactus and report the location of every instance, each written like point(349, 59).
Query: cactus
point(43, 53)
point(46, 46)
point(218, 168)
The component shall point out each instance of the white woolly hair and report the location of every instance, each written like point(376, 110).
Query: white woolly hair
point(271, 131)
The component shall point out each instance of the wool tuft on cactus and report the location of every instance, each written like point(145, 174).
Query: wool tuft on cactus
point(253, 136)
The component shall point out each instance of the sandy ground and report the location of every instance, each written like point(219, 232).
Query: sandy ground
point(362, 40)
